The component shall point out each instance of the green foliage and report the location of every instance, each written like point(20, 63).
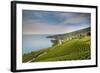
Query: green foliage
point(74, 49)
point(29, 56)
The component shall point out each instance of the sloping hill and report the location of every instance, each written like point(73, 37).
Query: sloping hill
point(75, 49)
point(81, 31)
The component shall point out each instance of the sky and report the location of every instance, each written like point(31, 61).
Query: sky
point(52, 22)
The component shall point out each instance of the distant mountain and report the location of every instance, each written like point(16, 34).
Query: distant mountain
point(74, 33)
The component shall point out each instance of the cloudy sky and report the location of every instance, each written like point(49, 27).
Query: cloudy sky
point(49, 22)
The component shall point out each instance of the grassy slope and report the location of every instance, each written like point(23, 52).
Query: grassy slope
point(75, 49)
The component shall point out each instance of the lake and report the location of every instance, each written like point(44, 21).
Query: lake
point(35, 42)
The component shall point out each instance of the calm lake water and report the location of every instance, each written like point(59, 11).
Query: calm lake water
point(35, 42)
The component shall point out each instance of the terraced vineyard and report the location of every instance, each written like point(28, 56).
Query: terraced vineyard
point(74, 49)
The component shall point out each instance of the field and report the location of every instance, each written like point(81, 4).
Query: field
point(73, 49)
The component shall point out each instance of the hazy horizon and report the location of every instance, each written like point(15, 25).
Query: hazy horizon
point(55, 34)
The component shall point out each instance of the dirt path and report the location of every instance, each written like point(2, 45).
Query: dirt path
point(37, 57)
point(31, 60)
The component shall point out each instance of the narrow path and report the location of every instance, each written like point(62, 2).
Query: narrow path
point(42, 54)
point(31, 60)
point(37, 57)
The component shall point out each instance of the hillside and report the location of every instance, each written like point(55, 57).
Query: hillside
point(81, 31)
point(74, 49)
